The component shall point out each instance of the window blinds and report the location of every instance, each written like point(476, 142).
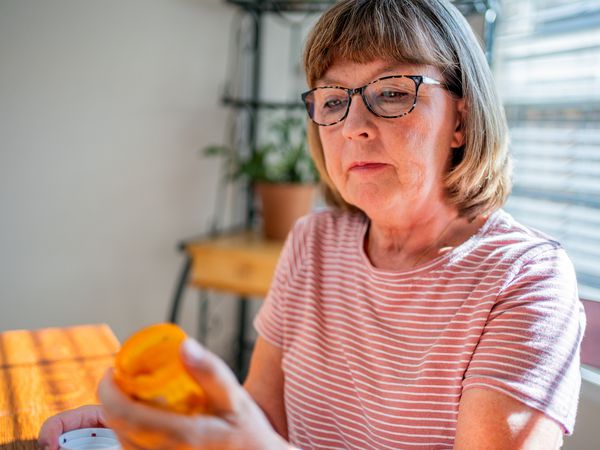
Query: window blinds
point(548, 71)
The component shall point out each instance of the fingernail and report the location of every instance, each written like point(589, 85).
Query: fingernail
point(193, 351)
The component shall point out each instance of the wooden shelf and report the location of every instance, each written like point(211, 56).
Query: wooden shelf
point(241, 263)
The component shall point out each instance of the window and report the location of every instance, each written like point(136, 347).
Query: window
point(547, 64)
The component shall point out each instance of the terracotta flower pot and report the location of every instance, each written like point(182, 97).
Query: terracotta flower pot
point(282, 204)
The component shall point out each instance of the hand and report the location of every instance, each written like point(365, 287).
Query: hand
point(237, 423)
point(90, 416)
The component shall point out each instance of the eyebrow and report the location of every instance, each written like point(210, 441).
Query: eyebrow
point(331, 81)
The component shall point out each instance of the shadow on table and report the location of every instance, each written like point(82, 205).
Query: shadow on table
point(27, 444)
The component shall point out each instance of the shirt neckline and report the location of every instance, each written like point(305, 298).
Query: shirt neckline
point(427, 265)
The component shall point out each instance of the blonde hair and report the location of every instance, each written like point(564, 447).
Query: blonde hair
point(428, 32)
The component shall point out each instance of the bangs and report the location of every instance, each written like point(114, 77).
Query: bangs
point(363, 31)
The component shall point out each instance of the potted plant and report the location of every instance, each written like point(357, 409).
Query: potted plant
point(282, 174)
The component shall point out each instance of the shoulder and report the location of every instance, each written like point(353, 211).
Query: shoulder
point(325, 237)
point(511, 241)
point(328, 224)
point(504, 250)
point(505, 224)
point(539, 267)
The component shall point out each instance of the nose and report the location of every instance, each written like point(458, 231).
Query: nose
point(359, 122)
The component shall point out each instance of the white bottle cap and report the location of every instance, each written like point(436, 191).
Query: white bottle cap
point(89, 439)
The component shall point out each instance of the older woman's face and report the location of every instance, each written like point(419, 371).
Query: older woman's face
point(391, 167)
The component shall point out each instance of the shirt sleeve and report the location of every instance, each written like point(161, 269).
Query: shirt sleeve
point(269, 321)
point(529, 348)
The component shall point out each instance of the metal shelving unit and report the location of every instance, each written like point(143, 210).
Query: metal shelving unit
point(262, 6)
point(247, 104)
point(251, 104)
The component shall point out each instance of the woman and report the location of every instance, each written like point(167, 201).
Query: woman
point(415, 313)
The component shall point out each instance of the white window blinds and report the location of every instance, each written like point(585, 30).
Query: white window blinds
point(547, 64)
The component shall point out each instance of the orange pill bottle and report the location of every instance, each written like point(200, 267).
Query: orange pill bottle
point(148, 368)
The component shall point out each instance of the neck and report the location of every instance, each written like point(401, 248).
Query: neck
point(404, 247)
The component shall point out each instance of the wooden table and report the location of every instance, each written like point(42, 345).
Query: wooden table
point(240, 262)
point(47, 371)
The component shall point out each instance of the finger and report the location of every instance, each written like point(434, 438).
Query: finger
point(150, 427)
point(119, 409)
point(128, 443)
point(89, 416)
point(218, 381)
point(202, 432)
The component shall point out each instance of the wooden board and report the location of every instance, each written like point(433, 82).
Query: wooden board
point(243, 263)
point(43, 372)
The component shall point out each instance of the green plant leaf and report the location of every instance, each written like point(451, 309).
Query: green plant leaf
point(281, 158)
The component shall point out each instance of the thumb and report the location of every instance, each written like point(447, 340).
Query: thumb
point(217, 380)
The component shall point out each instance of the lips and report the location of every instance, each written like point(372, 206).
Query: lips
point(366, 165)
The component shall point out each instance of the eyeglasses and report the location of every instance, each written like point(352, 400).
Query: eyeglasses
point(389, 97)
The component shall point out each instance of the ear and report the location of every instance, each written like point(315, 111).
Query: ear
point(458, 138)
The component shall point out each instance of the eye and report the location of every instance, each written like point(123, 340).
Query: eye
point(334, 103)
point(393, 95)
point(391, 92)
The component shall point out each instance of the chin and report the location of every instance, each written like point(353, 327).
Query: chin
point(375, 207)
point(370, 195)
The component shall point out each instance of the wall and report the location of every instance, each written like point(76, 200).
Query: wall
point(585, 436)
point(103, 107)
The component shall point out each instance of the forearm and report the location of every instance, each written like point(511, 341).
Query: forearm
point(272, 408)
point(265, 384)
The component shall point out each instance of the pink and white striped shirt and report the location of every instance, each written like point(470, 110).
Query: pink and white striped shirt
point(378, 359)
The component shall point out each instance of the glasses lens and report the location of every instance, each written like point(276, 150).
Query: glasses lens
point(327, 106)
point(392, 97)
